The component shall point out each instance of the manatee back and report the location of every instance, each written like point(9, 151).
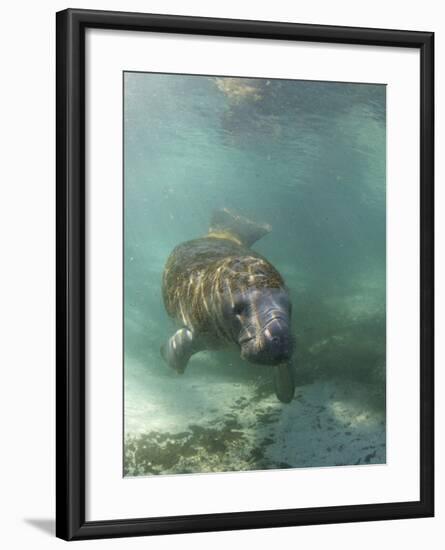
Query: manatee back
point(199, 272)
point(188, 271)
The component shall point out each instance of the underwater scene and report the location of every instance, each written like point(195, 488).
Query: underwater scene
point(254, 274)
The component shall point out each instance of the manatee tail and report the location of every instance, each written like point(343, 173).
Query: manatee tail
point(228, 225)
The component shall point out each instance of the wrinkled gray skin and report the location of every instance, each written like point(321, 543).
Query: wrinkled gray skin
point(259, 321)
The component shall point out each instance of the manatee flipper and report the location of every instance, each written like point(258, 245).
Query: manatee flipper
point(179, 348)
point(228, 225)
point(284, 382)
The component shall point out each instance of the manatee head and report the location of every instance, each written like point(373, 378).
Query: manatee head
point(257, 311)
point(264, 317)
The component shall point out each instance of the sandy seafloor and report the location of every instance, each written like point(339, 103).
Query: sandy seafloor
point(214, 420)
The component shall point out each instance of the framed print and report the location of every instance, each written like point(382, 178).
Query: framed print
point(244, 274)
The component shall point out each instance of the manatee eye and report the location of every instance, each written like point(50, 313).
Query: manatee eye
point(238, 307)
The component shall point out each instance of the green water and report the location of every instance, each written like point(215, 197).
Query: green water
point(309, 159)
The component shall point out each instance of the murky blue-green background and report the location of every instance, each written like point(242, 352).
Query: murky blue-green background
point(308, 158)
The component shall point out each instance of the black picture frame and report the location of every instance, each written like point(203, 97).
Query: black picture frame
point(70, 174)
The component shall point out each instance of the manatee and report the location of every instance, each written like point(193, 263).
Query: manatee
point(221, 293)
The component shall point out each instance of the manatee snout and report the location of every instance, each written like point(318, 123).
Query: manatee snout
point(267, 339)
point(276, 342)
point(271, 346)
